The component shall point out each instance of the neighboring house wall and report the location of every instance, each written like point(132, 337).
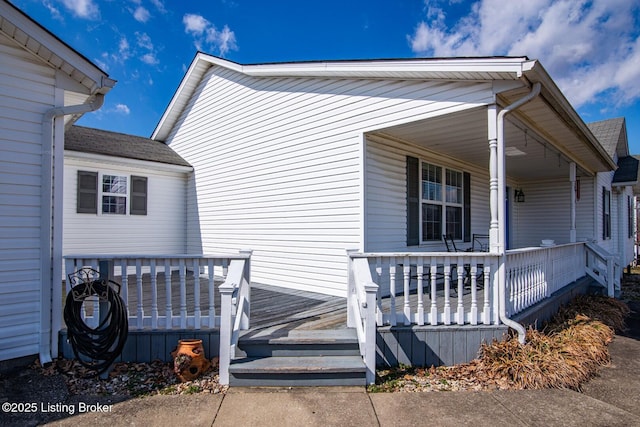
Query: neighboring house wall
point(287, 182)
point(161, 231)
point(27, 88)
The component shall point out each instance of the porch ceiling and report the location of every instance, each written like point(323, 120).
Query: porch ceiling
point(539, 143)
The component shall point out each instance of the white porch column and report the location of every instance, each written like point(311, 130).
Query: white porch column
point(572, 179)
point(492, 132)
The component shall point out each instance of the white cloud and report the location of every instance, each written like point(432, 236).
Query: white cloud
point(124, 51)
point(204, 32)
point(86, 9)
point(159, 5)
point(591, 48)
point(141, 14)
point(224, 40)
point(53, 11)
point(149, 58)
point(144, 41)
point(122, 109)
point(195, 24)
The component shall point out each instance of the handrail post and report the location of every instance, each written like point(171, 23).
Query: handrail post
point(371, 290)
point(351, 321)
point(226, 295)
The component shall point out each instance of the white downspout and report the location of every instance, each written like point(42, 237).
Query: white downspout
point(535, 90)
point(48, 243)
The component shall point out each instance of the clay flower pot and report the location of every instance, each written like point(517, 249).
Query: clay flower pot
point(189, 361)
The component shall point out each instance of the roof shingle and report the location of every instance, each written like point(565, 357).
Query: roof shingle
point(89, 140)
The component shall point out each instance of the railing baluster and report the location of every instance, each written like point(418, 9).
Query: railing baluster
point(406, 275)
point(487, 287)
point(196, 293)
point(154, 295)
point(460, 306)
point(124, 290)
point(433, 313)
point(140, 306)
point(168, 294)
point(183, 294)
point(392, 290)
point(420, 310)
point(446, 313)
point(212, 294)
point(473, 312)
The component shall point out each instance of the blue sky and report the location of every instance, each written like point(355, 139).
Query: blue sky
point(590, 48)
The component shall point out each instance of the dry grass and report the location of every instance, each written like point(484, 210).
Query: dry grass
point(568, 352)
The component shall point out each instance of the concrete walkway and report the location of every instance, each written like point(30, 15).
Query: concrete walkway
point(608, 400)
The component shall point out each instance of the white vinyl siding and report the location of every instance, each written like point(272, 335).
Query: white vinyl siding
point(278, 165)
point(386, 217)
point(27, 89)
point(161, 231)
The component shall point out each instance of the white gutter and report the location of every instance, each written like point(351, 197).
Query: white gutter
point(48, 240)
point(535, 91)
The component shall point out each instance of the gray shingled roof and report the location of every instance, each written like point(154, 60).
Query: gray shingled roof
point(610, 133)
point(89, 140)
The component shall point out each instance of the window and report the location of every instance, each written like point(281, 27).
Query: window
point(114, 194)
point(438, 202)
point(117, 194)
point(441, 205)
point(606, 213)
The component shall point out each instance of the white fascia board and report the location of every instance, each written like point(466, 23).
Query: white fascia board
point(125, 161)
point(389, 68)
point(47, 40)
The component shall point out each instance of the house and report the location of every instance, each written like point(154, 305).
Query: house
point(390, 160)
point(46, 85)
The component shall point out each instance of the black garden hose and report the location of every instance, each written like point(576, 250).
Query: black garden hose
point(103, 344)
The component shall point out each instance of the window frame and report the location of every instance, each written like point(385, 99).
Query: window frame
point(606, 214)
point(444, 203)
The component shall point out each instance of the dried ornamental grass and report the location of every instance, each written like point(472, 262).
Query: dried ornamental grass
point(566, 354)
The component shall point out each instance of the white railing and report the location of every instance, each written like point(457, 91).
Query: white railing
point(361, 312)
point(160, 291)
point(235, 307)
point(533, 274)
point(433, 288)
point(604, 268)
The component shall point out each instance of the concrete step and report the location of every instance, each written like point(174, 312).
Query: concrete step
point(298, 371)
point(338, 342)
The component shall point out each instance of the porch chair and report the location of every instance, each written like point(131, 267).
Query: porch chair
point(450, 243)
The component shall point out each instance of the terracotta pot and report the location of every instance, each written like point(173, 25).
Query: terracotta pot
point(189, 361)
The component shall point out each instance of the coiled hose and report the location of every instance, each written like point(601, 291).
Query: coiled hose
point(104, 343)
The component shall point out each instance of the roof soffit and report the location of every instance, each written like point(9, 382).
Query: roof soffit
point(49, 49)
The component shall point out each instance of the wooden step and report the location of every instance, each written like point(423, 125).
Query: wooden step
point(339, 342)
point(277, 357)
point(298, 371)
